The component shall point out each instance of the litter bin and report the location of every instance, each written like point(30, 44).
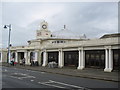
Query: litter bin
point(52, 65)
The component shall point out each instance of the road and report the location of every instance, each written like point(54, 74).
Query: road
point(21, 78)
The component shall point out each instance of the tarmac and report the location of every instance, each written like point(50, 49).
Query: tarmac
point(85, 73)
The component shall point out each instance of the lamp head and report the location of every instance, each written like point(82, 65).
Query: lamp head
point(10, 45)
point(5, 26)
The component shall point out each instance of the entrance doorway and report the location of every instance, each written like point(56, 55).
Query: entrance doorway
point(20, 56)
point(71, 58)
point(95, 58)
point(32, 56)
point(53, 56)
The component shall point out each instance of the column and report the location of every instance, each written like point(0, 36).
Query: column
point(36, 55)
point(16, 56)
point(26, 58)
point(39, 57)
point(9, 59)
point(83, 59)
point(110, 59)
point(45, 58)
point(81, 63)
point(61, 59)
point(79, 60)
point(106, 60)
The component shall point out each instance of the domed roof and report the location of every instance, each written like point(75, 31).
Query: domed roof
point(66, 34)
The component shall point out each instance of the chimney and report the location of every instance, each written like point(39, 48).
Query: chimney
point(64, 26)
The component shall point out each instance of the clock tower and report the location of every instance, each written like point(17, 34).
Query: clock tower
point(44, 25)
point(43, 32)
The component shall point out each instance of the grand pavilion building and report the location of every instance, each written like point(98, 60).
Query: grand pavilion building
point(67, 49)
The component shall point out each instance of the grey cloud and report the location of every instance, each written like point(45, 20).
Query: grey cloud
point(82, 18)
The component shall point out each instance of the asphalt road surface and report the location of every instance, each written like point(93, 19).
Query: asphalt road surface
point(21, 78)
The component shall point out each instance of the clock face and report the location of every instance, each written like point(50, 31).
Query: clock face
point(44, 26)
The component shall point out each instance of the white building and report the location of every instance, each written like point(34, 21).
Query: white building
point(68, 49)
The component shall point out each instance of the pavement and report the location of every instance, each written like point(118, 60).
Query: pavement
point(86, 73)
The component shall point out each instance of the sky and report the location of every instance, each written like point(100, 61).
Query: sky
point(93, 19)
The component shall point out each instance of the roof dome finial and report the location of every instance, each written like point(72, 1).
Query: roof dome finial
point(64, 26)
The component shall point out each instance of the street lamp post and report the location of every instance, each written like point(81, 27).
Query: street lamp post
point(9, 27)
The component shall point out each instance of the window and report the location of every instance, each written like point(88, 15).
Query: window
point(102, 57)
point(97, 57)
point(69, 56)
point(39, 33)
point(58, 41)
point(61, 41)
point(116, 56)
point(92, 56)
point(87, 56)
